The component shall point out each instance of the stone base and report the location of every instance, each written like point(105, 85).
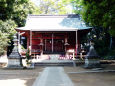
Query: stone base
point(92, 63)
point(14, 63)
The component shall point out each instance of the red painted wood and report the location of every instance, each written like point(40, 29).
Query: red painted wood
point(58, 40)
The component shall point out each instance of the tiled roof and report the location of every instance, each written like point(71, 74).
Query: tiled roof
point(54, 23)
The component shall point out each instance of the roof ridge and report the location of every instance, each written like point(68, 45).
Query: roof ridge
point(57, 15)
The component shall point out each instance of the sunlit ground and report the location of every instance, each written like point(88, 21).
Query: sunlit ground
point(19, 77)
point(4, 59)
point(13, 82)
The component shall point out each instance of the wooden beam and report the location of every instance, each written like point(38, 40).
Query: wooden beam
point(52, 42)
point(76, 46)
point(30, 42)
point(76, 37)
point(45, 44)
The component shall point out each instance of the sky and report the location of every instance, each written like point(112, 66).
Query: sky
point(69, 7)
point(36, 2)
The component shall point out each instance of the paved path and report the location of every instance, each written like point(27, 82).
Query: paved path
point(53, 76)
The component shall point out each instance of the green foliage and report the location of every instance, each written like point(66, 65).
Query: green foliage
point(28, 57)
point(77, 6)
point(110, 55)
point(101, 46)
point(54, 7)
point(100, 37)
point(16, 10)
point(7, 27)
point(12, 14)
point(99, 13)
point(3, 42)
point(21, 11)
point(6, 33)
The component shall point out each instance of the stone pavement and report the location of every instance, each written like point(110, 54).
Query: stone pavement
point(53, 76)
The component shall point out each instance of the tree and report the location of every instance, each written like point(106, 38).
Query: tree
point(21, 11)
point(99, 15)
point(6, 32)
point(54, 7)
point(95, 13)
point(77, 6)
point(12, 14)
point(3, 42)
point(16, 10)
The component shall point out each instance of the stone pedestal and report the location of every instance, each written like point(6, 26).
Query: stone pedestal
point(92, 59)
point(14, 59)
point(92, 63)
point(13, 62)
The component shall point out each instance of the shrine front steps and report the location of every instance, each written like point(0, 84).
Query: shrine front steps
point(55, 63)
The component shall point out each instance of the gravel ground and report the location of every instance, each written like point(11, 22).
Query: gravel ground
point(19, 77)
point(26, 77)
point(91, 79)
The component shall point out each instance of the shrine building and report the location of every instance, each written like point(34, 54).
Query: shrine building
point(51, 34)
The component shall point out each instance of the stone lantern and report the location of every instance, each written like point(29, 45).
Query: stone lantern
point(92, 59)
point(14, 59)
